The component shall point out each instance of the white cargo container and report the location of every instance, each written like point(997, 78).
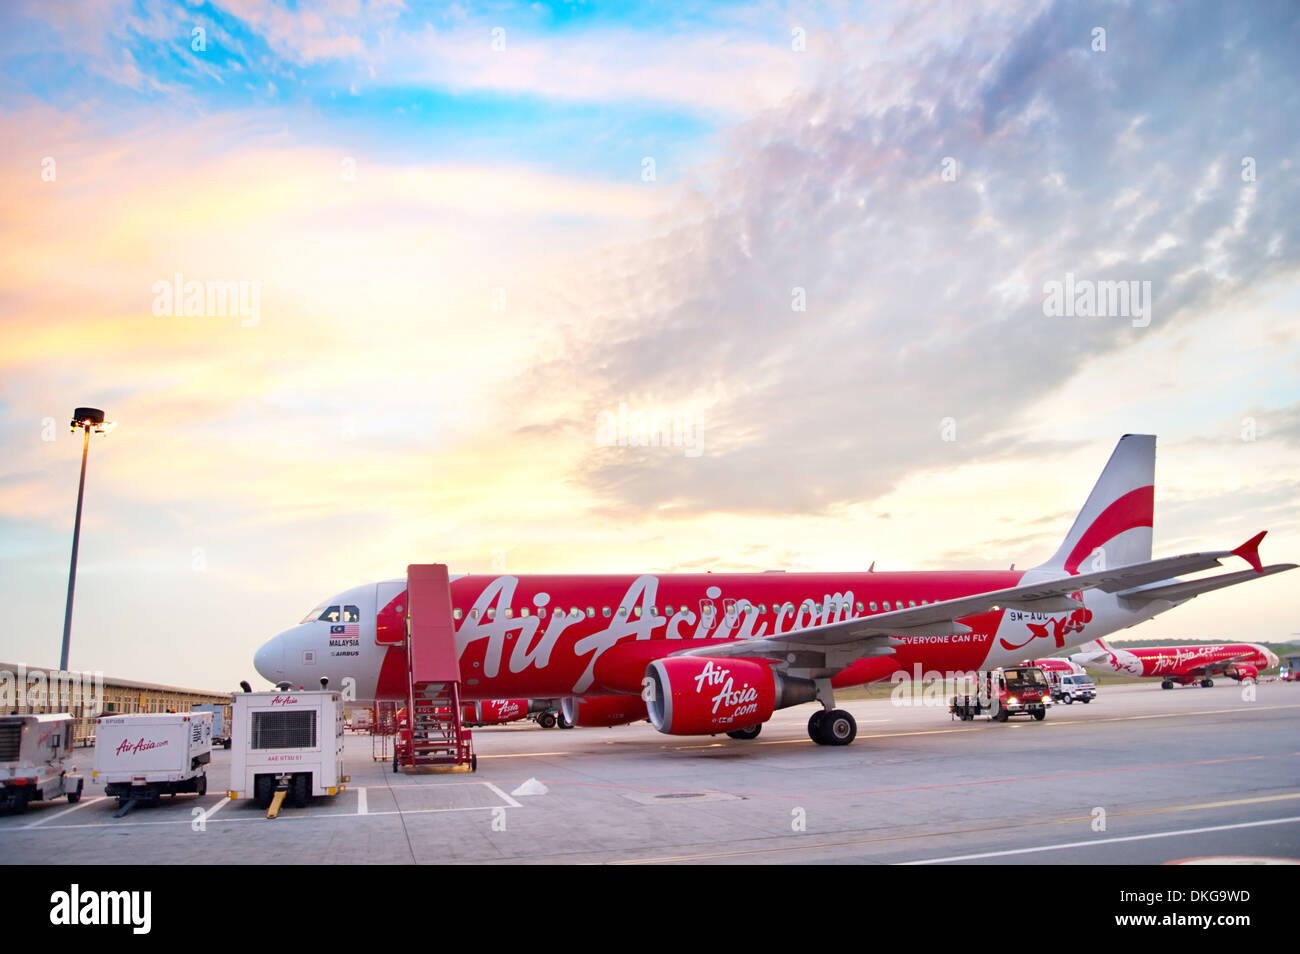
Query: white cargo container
point(147, 755)
point(220, 724)
point(290, 739)
point(34, 767)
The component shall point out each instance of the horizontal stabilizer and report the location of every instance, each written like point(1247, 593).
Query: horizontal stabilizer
point(1186, 589)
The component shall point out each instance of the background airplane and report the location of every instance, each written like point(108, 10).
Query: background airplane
point(719, 652)
point(1178, 665)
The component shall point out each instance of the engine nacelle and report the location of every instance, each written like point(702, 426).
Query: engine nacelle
point(1241, 671)
point(601, 712)
point(700, 695)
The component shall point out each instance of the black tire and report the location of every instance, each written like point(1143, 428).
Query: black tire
point(838, 728)
point(1068, 700)
point(1001, 716)
point(263, 791)
point(546, 720)
point(473, 762)
point(1207, 683)
point(749, 732)
point(562, 722)
point(1085, 700)
point(300, 790)
point(202, 787)
point(1040, 714)
point(815, 726)
point(225, 744)
point(1166, 684)
point(394, 761)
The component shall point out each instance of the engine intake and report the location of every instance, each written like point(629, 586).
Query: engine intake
point(702, 695)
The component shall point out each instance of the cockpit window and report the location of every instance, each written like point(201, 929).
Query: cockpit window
point(314, 614)
point(324, 614)
point(351, 614)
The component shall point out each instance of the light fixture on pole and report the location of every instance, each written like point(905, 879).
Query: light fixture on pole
point(88, 419)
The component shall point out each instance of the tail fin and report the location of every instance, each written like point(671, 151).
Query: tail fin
point(1114, 526)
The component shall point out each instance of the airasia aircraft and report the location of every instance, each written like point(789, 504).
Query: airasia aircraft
point(704, 653)
point(1181, 665)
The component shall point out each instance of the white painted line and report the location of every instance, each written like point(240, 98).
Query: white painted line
point(362, 807)
point(50, 816)
point(216, 808)
point(1105, 841)
point(508, 800)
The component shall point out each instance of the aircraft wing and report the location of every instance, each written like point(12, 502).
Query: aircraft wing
point(1186, 589)
point(871, 635)
point(1211, 668)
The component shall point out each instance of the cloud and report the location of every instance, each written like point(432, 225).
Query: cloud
point(924, 296)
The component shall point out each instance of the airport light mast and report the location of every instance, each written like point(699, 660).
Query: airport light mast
point(88, 419)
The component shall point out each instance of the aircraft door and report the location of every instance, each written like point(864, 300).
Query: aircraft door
point(390, 614)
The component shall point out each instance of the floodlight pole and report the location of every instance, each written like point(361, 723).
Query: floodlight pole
point(76, 541)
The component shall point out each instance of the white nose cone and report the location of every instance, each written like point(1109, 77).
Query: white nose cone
point(269, 660)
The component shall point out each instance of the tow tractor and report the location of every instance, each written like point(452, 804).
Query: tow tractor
point(1002, 693)
point(33, 753)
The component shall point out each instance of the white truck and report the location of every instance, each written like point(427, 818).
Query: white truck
point(146, 755)
point(1073, 687)
point(220, 724)
point(34, 767)
point(286, 739)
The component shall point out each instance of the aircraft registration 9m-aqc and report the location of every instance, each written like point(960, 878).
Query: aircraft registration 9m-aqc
point(706, 653)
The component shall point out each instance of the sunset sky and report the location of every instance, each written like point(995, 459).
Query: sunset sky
point(819, 234)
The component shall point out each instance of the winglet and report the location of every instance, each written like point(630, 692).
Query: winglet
point(1249, 551)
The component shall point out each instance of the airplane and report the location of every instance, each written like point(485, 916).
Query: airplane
point(712, 653)
point(1178, 665)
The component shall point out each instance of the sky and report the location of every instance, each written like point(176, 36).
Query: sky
point(372, 283)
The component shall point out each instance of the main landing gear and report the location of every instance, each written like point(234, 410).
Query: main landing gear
point(749, 732)
point(830, 726)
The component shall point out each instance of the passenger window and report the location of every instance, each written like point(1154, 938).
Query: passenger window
point(872, 604)
point(636, 611)
point(604, 611)
point(525, 611)
point(541, 612)
point(456, 613)
point(911, 603)
point(575, 612)
point(510, 612)
point(473, 614)
point(859, 606)
point(331, 615)
point(492, 612)
point(622, 611)
point(886, 606)
point(591, 612)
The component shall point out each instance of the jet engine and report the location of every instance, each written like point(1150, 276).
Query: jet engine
point(602, 711)
point(702, 695)
point(1241, 672)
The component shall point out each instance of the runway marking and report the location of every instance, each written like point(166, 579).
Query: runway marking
point(522, 755)
point(50, 816)
point(509, 800)
point(362, 807)
point(216, 808)
point(813, 845)
point(1106, 841)
point(1199, 806)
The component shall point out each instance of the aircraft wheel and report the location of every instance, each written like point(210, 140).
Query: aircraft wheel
point(838, 727)
point(815, 726)
point(1207, 683)
point(749, 732)
point(1166, 684)
point(546, 720)
point(562, 722)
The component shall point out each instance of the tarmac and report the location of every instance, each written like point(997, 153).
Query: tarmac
point(1140, 776)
